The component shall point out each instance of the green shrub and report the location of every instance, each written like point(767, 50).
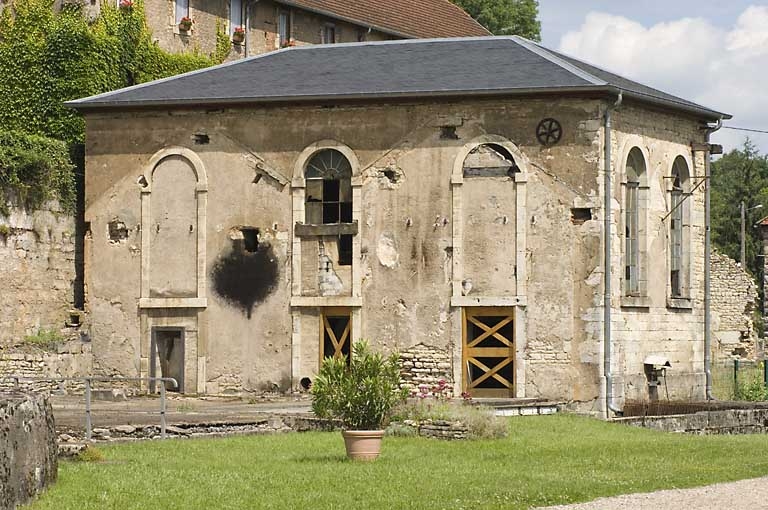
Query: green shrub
point(362, 394)
point(47, 339)
point(90, 454)
point(481, 422)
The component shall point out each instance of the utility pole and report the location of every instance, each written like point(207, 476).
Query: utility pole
point(744, 232)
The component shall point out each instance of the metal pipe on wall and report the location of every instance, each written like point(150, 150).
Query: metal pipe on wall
point(707, 276)
point(607, 273)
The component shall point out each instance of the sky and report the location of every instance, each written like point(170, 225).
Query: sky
point(714, 53)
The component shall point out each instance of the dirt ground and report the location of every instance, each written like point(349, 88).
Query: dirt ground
point(745, 494)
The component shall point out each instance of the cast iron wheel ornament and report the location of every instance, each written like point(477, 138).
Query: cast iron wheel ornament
point(549, 131)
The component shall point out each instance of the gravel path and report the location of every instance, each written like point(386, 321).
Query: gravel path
point(746, 494)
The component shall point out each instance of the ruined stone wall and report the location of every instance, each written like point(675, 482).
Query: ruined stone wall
point(72, 359)
point(37, 271)
point(734, 302)
point(28, 454)
point(654, 322)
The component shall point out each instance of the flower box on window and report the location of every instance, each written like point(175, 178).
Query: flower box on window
point(185, 24)
point(238, 35)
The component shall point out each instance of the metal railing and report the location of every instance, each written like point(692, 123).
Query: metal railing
point(88, 381)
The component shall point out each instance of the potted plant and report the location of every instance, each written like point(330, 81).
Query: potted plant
point(185, 24)
point(361, 395)
point(238, 35)
point(126, 5)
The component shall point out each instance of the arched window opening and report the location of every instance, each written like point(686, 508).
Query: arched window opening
point(632, 213)
point(329, 195)
point(490, 160)
point(677, 254)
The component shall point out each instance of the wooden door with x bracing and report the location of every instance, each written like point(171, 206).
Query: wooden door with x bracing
point(489, 352)
point(335, 333)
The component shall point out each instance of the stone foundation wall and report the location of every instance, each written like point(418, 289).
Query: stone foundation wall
point(734, 301)
point(28, 461)
point(731, 421)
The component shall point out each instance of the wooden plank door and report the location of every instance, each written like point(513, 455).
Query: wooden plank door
point(335, 333)
point(488, 352)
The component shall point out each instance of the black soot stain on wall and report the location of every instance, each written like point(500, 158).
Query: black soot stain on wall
point(244, 279)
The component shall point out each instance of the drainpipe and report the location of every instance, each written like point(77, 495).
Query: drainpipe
point(707, 277)
point(609, 406)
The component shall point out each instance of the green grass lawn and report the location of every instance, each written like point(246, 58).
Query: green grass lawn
point(545, 460)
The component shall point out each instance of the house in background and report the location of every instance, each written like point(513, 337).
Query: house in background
point(270, 25)
point(445, 198)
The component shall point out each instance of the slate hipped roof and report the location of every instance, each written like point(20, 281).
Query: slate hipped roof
point(406, 69)
point(403, 18)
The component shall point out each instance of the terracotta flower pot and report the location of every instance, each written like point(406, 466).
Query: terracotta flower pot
point(363, 444)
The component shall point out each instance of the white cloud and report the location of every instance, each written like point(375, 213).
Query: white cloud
point(723, 69)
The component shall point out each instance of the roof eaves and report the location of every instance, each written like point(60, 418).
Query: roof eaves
point(223, 101)
point(698, 110)
point(339, 17)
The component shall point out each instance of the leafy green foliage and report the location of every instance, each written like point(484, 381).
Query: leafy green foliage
point(739, 176)
point(47, 339)
point(362, 394)
point(506, 17)
point(48, 57)
point(36, 169)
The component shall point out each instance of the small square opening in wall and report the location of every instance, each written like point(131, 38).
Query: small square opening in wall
point(579, 215)
point(250, 239)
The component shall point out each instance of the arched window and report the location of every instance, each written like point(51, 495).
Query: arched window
point(329, 195)
point(678, 255)
point(634, 205)
point(490, 160)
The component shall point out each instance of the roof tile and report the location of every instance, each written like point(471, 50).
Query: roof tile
point(410, 18)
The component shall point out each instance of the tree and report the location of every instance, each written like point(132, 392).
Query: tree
point(740, 175)
point(506, 17)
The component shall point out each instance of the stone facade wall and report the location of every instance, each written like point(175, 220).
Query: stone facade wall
point(734, 301)
point(37, 271)
point(262, 36)
point(28, 453)
point(425, 365)
point(654, 322)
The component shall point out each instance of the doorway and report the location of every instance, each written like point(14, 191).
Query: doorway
point(335, 333)
point(167, 351)
point(488, 352)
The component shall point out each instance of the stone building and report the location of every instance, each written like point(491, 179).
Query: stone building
point(268, 25)
point(444, 198)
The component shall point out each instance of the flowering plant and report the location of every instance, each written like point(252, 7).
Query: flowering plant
point(238, 35)
point(126, 4)
point(185, 23)
point(289, 42)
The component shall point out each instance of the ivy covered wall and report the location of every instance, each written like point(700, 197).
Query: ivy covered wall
point(48, 57)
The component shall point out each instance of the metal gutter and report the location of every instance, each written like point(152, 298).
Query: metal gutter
point(607, 269)
point(707, 276)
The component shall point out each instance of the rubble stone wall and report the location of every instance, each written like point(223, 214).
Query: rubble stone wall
point(734, 301)
point(37, 271)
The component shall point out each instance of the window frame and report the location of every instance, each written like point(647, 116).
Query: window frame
point(634, 203)
point(284, 39)
point(678, 274)
point(181, 9)
point(232, 10)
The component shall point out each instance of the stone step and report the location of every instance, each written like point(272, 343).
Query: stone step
point(520, 406)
